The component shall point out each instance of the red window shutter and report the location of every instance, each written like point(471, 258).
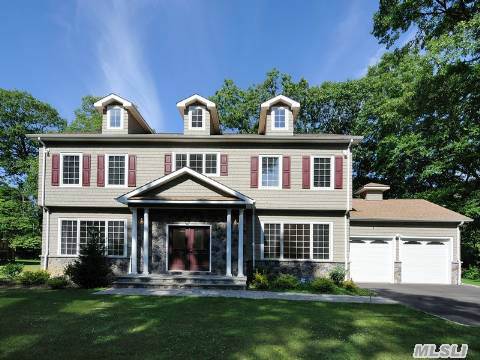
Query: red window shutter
point(86, 170)
point(101, 170)
point(306, 172)
point(55, 169)
point(132, 170)
point(338, 172)
point(254, 172)
point(168, 164)
point(223, 165)
point(286, 172)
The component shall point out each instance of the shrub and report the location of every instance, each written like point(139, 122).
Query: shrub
point(92, 268)
point(350, 285)
point(57, 282)
point(11, 270)
point(337, 275)
point(323, 285)
point(38, 277)
point(286, 281)
point(260, 281)
point(472, 273)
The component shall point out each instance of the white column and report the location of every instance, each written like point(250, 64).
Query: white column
point(146, 233)
point(229, 243)
point(133, 270)
point(240, 244)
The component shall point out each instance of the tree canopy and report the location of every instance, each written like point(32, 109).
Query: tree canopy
point(87, 118)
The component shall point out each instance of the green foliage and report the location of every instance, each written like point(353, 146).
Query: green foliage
point(350, 285)
point(323, 285)
point(472, 273)
point(57, 282)
point(92, 268)
point(285, 281)
point(87, 118)
point(337, 275)
point(260, 281)
point(11, 270)
point(31, 278)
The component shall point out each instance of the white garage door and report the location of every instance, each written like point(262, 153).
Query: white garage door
point(425, 261)
point(371, 260)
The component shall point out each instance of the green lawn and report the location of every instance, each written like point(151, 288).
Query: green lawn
point(72, 324)
point(471, 282)
point(29, 264)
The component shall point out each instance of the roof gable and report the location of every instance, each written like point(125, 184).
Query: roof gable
point(210, 105)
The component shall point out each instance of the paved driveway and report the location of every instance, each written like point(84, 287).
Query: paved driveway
point(457, 303)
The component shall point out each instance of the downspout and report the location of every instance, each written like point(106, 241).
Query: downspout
point(253, 238)
point(346, 229)
point(42, 204)
point(459, 261)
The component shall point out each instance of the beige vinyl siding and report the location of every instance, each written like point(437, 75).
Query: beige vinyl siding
point(288, 120)
point(186, 188)
point(338, 230)
point(150, 166)
point(133, 126)
point(206, 120)
point(405, 229)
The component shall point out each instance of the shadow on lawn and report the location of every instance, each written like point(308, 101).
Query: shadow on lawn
point(76, 324)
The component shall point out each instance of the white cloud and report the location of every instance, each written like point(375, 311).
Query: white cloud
point(119, 53)
point(374, 59)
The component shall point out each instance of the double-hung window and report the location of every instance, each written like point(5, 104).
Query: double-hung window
point(322, 172)
point(271, 169)
point(196, 118)
point(279, 118)
point(114, 116)
point(76, 233)
point(116, 170)
point(71, 169)
point(204, 163)
point(297, 241)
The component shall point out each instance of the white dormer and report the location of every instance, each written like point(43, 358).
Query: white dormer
point(120, 116)
point(199, 115)
point(277, 116)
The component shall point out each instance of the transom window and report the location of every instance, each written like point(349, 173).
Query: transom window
point(76, 233)
point(71, 169)
point(270, 170)
point(322, 172)
point(279, 116)
point(116, 170)
point(196, 117)
point(204, 163)
point(115, 117)
point(294, 241)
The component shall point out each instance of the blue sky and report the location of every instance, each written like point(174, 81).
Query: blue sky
point(156, 53)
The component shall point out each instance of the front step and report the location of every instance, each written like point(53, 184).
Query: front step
point(180, 280)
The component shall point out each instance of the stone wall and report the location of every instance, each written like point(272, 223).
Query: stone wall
point(300, 269)
point(56, 265)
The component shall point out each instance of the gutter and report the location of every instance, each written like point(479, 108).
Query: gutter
point(42, 204)
point(347, 210)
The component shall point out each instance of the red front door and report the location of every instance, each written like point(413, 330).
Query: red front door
point(189, 248)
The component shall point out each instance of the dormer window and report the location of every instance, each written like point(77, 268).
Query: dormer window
point(279, 118)
point(114, 116)
point(196, 118)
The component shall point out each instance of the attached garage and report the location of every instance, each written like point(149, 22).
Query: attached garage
point(371, 259)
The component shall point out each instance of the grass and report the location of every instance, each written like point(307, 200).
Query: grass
point(307, 289)
point(29, 264)
point(72, 324)
point(471, 282)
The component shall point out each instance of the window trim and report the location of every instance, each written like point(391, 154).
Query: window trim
point(272, 118)
point(332, 172)
point(80, 172)
point(109, 108)
point(78, 220)
point(280, 172)
point(125, 177)
point(204, 163)
point(190, 118)
point(282, 223)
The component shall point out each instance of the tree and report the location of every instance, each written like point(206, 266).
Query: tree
point(87, 118)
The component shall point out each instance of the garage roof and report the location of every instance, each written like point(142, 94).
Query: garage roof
point(403, 210)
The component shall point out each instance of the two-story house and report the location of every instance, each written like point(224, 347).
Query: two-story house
point(203, 202)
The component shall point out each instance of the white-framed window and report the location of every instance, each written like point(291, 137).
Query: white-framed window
point(322, 174)
point(75, 233)
point(116, 170)
point(204, 163)
point(196, 117)
point(279, 118)
point(115, 117)
point(271, 171)
point(297, 241)
point(71, 169)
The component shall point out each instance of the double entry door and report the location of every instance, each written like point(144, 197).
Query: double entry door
point(189, 248)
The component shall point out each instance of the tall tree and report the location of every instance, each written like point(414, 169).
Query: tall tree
point(87, 118)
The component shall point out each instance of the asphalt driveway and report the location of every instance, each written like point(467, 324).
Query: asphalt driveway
point(459, 303)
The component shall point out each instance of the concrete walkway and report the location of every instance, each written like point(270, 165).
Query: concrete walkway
point(245, 294)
